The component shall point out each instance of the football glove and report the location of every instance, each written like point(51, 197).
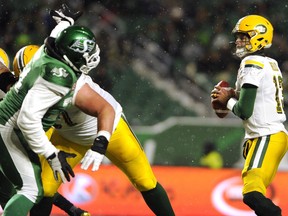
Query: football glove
point(96, 154)
point(65, 14)
point(59, 165)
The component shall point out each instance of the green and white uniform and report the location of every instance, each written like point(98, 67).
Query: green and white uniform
point(29, 109)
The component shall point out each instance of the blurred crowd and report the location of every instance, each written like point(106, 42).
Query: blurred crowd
point(193, 35)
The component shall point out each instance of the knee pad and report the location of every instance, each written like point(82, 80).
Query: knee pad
point(50, 189)
point(253, 181)
point(49, 193)
point(31, 192)
point(145, 184)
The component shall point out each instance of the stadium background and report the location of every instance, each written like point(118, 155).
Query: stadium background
point(160, 59)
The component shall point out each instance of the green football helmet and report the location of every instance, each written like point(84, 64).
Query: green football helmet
point(78, 48)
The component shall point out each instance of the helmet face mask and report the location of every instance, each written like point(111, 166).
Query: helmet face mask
point(78, 48)
point(242, 45)
point(91, 61)
point(259, 31)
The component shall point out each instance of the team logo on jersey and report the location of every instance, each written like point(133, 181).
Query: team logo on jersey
point(83, 46)
point(59, 72)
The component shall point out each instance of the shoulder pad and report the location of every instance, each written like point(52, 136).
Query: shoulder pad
point(254, 61)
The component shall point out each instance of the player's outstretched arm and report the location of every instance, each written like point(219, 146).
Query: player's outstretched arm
point(92, 103)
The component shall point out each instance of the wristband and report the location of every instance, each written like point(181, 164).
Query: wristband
point(100, 144)
point(51, 156)
point(104, 133)
point(231, 103)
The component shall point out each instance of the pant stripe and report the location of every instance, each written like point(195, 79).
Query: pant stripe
point(259, 152)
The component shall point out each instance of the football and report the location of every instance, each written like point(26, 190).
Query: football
point(220, 110)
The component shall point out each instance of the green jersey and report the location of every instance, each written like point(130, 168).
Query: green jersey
point(44, 89)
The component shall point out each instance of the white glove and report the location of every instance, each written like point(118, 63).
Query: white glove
point(59, 165)
point(96, 154)
point(91, 157)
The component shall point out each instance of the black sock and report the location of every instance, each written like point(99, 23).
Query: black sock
point(260, 204)
point(43, 208)
point(158, 201)
point(64, 204)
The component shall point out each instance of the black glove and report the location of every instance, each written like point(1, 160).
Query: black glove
point(59, 165)
point(66, 14)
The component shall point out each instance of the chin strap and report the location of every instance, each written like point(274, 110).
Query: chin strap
point(70, 63)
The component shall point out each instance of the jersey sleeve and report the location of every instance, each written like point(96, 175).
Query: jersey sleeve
point(59, 28)
point(83, 79)
point(86, 79)
point(36, 103)
point(251, 71)
point(59, 74)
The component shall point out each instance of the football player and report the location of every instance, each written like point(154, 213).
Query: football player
point(21, 59)
point(260, 106)
point(30, 108)
point(76, 132)
point(7, 79)
point(85, 136)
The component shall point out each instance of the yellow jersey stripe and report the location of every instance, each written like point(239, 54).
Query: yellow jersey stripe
point(251, 63)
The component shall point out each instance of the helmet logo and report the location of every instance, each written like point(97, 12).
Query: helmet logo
point(261, 29)
point(83, 46)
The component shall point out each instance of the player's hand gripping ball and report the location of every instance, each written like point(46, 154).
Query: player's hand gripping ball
point(220, 109)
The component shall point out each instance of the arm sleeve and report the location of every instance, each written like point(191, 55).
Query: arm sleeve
point(59, 28)
point(245, 105)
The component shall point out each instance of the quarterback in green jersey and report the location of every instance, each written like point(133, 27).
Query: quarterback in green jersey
point(31, 107)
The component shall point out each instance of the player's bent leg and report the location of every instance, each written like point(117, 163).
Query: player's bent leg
point(23, 206)
point(24, 173)
point(260, 204)
point(125, 151)
point(49, 184)
point(158, 201)
point(258, 174)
